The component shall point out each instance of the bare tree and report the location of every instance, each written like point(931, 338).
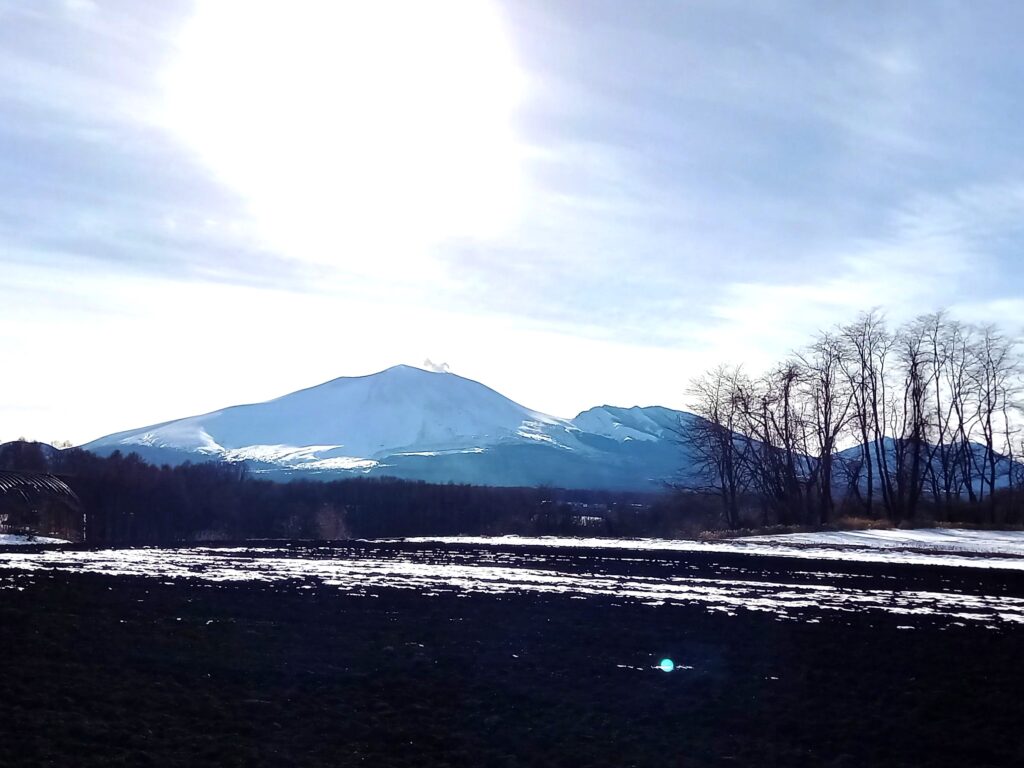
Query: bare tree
point(830, 396)
point(950, 345)
point(867, 343)
point(775, 419)
point(910, 422)
point(994, 372)
point(717, 451)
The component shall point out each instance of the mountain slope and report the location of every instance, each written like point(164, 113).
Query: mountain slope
point(636, 423)
point(418, 424)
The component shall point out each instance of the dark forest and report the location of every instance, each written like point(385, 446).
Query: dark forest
point(124, 500)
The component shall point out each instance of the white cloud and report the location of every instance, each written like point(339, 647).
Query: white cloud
point(704, 182)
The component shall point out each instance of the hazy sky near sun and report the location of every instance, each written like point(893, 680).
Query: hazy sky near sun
point(577, 203)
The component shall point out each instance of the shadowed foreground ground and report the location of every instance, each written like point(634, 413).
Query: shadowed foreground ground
point(99, 671)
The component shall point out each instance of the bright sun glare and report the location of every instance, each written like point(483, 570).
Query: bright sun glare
point(359, 133)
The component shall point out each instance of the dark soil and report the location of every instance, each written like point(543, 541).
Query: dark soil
point(115, 671)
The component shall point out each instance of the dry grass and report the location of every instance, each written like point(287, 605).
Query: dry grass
point(769, 530)
point(854, 523)
point(970, 526)
point(846, 523)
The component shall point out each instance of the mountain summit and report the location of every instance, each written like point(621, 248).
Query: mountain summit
point(408, 422)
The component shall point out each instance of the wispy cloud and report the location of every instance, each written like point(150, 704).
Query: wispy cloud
point(940, 250)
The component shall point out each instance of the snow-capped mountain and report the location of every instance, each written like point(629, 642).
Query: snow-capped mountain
point(412, 423)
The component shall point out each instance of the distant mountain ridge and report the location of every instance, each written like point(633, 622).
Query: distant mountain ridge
point(417, 424)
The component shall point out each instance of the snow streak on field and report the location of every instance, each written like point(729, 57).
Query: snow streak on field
point(930, 546)
point(13, 539)
point(366, 568)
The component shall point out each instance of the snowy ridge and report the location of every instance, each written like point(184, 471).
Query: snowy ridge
point(636, 423)
point(401, 409)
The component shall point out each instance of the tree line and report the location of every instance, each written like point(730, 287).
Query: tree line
point(128, 501)
point(868, 420)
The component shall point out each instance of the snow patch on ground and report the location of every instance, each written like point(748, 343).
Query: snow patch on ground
point(540, 437)
point(339, 462)
point(442, 453)
point(949, 540)
point(300, 457)
point(277, 453)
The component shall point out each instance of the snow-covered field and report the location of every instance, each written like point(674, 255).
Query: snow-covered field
point(8, 539)
point(362, 569)
point(931, 546)
point(922, 546)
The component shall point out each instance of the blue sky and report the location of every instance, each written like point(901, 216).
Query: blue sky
point(575, 202)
